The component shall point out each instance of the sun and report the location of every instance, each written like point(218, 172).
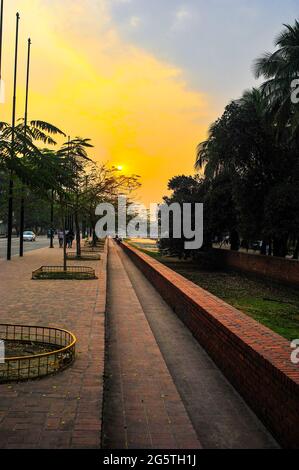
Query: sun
point(120, 167)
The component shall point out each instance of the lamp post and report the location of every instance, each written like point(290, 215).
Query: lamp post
point(52, 220)
point(1, 38)
point(11, 182)
point(22, 215)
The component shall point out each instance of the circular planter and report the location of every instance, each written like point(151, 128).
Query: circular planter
point(79, 273)
point(59, 346)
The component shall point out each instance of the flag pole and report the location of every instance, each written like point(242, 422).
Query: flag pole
point(11, 182)
point(22, 215)
point(1, 36)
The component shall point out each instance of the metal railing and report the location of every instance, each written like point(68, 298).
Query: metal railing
point(58, 272)
point(61, 345)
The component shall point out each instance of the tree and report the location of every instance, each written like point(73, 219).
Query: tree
point(14, 155)
point(185, 189)
point(279, 69)
point(250, 157)
point(237, 159)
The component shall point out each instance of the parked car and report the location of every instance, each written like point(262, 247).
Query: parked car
point(256, 245)
point(29, 236)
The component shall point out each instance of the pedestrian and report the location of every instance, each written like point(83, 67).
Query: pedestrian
point(70, 238)
point(60, 238)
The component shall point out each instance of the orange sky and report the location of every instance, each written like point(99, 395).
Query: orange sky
point(138, 111)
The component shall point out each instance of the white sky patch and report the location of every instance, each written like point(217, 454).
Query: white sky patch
point(135, 21)
point(181, 17)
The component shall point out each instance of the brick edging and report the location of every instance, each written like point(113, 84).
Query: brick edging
point(255, 359)
point(99, 326)
point(102, 299)
point(282, 270)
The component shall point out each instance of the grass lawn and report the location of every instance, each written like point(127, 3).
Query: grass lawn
point(269, 303)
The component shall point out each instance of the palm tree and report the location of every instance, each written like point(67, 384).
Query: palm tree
point(25, 146)
point(279, 69)
point(240, 150)
point(24, 151)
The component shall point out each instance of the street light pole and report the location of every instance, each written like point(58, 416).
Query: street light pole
point(1, 38)
point(67, 219)
point(11, 182)
point(52, 220)
point(22, 216)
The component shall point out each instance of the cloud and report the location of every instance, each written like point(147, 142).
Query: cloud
point(181, 17)
point(135, 21)
point(136, 108)
point(182, 14)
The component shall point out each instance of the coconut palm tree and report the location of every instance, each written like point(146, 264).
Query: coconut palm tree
point(279, 69)
point(25, 145)
point(24, 149)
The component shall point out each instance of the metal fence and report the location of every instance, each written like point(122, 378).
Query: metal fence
point(62, 355)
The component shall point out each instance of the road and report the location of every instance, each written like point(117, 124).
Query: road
point(41, 242)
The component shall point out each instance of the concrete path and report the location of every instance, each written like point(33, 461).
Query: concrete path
point(147, 341)
point(142, 408)
point(62, 411)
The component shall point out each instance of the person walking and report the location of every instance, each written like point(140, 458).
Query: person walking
point(70, 238)
point(60, 238)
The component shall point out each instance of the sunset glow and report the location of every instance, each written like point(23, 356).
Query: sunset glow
point(122, 97)
point(92, 78)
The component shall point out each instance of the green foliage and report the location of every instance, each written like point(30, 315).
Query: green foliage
point(250, 159)
point(66, 178)
point(279, 69)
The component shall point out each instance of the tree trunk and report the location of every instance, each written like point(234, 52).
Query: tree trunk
point(52, 220)
point(64, 250)
point(84, 229)
point(264, 248)
point(234, 241)
point(280, 247)
point(94, 238)
point(78, 234)
point(296, 252)
point(270, 248)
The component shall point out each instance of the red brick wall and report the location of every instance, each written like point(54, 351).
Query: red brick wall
point(254, 359)
point(278, 269)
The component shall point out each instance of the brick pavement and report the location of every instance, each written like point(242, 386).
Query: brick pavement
point(61, 411)
point(153, 399)
point(142, 407)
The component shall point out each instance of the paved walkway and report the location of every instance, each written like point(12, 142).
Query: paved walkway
point(142, 407)
point(162, 386)
point(62, 411)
